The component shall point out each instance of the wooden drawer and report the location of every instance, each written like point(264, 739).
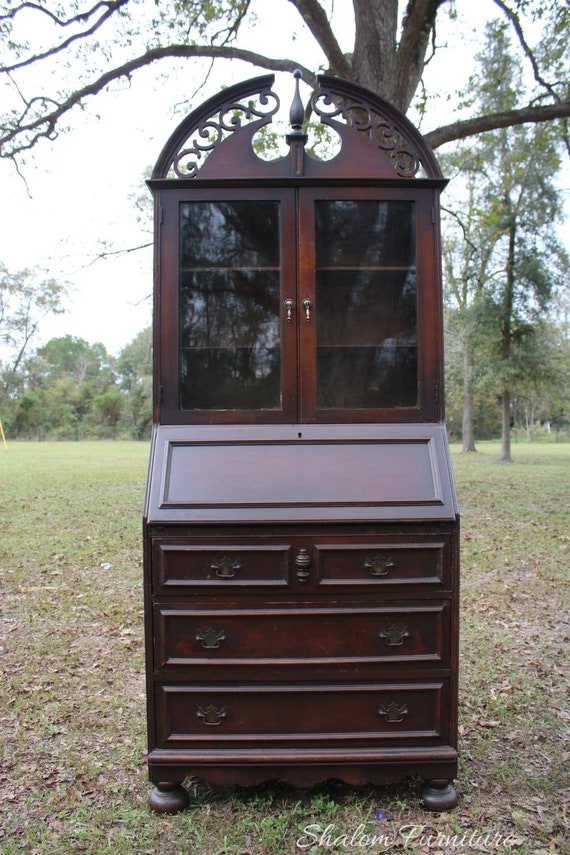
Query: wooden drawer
point(265, 636)
point(182, 565)
point(381, 564)
point(394, 713)
point(203, 567)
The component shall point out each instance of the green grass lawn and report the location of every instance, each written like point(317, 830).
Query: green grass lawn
point(72, 715)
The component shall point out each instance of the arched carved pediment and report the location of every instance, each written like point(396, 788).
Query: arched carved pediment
point(216, 140)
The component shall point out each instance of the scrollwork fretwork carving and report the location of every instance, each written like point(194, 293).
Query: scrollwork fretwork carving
point(212, 130)
point(364, 119)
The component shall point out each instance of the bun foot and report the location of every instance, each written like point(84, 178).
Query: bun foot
point(168, 798)
point(439, 795)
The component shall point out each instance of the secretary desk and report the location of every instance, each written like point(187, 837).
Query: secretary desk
point(301, 524)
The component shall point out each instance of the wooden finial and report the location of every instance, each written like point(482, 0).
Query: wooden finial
point(297, 112)
point(297, 139)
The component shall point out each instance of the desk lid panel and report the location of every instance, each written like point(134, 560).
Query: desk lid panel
point(300, 473)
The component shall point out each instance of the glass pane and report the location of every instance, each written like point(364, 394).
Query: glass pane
point(230, 355)
point(229, 378)
point(366, 295)
point(229, 234)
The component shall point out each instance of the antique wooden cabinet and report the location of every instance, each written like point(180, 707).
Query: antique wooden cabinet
point(301, 525)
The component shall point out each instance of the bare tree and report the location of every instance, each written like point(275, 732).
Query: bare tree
point(119, 37)
point(26, 298)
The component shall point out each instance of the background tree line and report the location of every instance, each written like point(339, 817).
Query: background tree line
point(70, 389)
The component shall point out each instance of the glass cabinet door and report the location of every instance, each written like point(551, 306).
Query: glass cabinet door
point(363, 288)
point(366, 287)
point(232, 271)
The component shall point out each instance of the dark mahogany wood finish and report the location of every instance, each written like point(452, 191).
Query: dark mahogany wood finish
point(301, 526)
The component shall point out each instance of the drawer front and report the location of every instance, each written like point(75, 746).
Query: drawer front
point(186, 637)
point(381, 564)
point(215, 568)
point(292, 714)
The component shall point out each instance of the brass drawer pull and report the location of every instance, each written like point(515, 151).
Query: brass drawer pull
point(394, 635)
point(225, 567)
point(210, 638)
point(393, 712)
point(211, 716)
point(289, 305)
point(378, 565)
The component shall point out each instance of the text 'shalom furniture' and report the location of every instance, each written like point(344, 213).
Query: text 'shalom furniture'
point(301, 526)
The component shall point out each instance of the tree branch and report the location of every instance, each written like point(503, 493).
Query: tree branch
point(513, 18)
point(316, 20)
point(110, 8)
point(104, 254)
point(82, 16)
point(26, 134)
point(232, 30)
point(471, 127)
point(464, 228)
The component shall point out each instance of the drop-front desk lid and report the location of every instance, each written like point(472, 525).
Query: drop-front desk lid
point(299, 473)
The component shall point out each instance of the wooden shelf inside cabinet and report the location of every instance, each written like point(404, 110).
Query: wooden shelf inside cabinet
point(301, 528)
point(356, 269)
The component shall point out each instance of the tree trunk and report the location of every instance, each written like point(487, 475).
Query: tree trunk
point(506, 433)
point(467, 434)
point(508, 304)
point(374, 45)
point(381, 64)
point(529, 421)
